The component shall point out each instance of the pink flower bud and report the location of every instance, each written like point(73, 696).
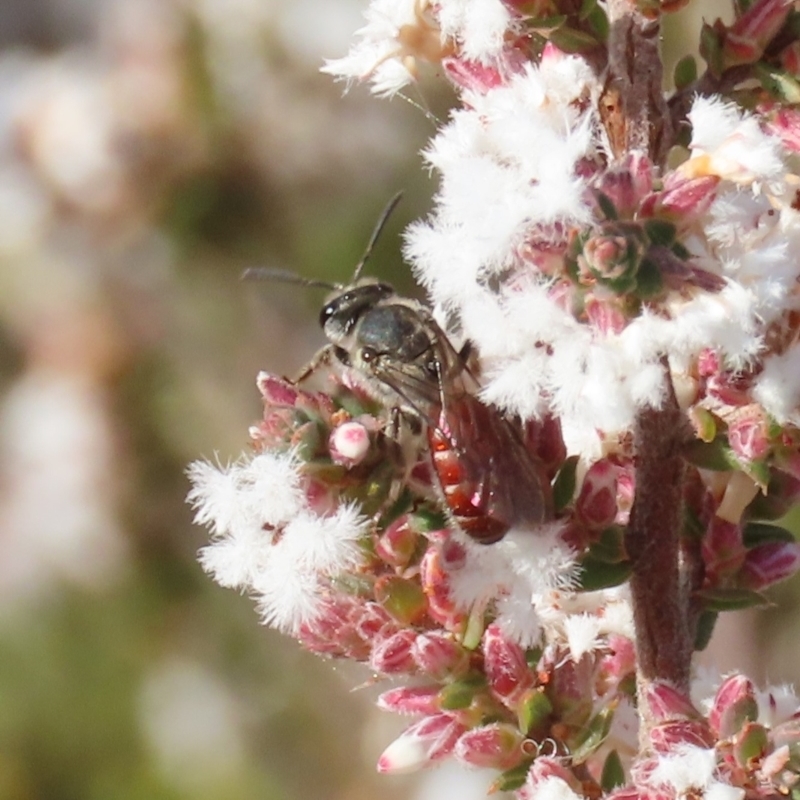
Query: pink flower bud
point(473, 75)
point(785, 122)
point(605, 315)
point(543, 770)
point(411, 700)
point(276, 391)
point(597, 502)
point(392, 655)
point(668, 736)
point(681, 197)
point(398, 543)
point(667, 703)
point(748, 433)
point(431, 739)
point(626, 183)
point(760, 23)
point(734, 703)
point(349, 444)
point(723, 550)
point(496, 746)
point(507, 671)
point(372, 620)
point(437, 655)
point(436, 585)
point(770, 563)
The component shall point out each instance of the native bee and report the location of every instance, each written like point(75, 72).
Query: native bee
point(489, 479)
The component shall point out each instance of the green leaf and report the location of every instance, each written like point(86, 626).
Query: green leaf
point(512, 779)
point(460, 694)
point(732, 599)
point(685, 72)
point(711, 49)
point(534, 709)
point(564, 484)
point(610, 547)
point(778, 83)
point(705, 627)
point(572, 40)
point(716, 456)
point(601, 575)
point(607, 208)
point(761, 533)
point(659, 231)
point(613, 774)
point(546, 25)
point(648, 279)
point(592, 735)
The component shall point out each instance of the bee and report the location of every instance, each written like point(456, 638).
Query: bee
point(392, 346)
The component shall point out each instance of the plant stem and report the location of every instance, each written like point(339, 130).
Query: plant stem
point(633, 105)
point(661, 584)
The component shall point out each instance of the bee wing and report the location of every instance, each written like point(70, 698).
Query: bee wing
point(493, 456)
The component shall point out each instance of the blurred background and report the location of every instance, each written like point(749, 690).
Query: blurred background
point(150, 150)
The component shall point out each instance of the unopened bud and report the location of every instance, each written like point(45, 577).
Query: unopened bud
point(431, 739)
point(349, 444)
point(507, 671)
point(410, 700)
point(437, 655)
point(392, 655)
point(597, 502)
point(495, 746)
point(734, 704)
point(398, 543)
point(770, 563)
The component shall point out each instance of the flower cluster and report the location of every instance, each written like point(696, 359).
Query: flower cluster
point(593, 288)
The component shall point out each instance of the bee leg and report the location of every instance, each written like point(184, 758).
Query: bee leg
point(322, 358)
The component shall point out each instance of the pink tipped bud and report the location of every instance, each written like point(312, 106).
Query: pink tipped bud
point(605, 315)
point(544, 770)
point(411, 700)
point(749, 433)
point(626, 183)
point(349, 444)
point(398, 543)
point(436, 585)
point(496, 746)
point(760, 23)
point(429, 740)
point(437, 655)
point(723, 550)
point(681, 197)
point(597, 502)
point(507, 671)
point(276, 391)
point(785, 122)
point(770, 563)
point(668, 736)
point(473, 75)
point(734, 703)
point(666, 703)
point(392, 655)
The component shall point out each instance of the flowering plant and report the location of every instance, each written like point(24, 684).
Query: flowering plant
point(624, 266)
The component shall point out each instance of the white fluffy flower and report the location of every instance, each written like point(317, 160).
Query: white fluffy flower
point(400, 33)
point(268, 541)
point(690, 769)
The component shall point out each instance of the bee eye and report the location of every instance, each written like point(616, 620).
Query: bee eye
point(368, 354)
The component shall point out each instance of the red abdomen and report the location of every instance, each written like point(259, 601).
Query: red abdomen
point(489, 480)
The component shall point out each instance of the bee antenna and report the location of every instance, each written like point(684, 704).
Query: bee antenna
point(285, 276)
point(376, 232)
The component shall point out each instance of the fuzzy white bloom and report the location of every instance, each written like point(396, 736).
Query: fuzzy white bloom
point(690, 769)
point(268, 540)
point(512, 574)
point(401, 33)
point(511, 191)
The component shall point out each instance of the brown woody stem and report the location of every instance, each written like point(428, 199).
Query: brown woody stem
point(661, 583)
